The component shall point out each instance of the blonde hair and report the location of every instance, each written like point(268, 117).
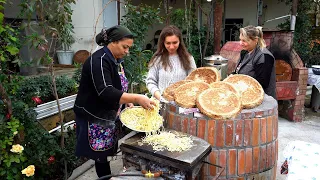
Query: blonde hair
point(251, 32)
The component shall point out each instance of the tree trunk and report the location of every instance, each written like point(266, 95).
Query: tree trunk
point(293, 14)
point(217, 26)
point(207, 34)
point(166, 11)
point(55, 93)
point(294, 7)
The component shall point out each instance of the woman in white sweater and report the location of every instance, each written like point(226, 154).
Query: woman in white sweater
point(170, 63)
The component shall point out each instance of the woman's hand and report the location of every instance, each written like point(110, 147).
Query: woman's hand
point(145, 102)
point(130, 105)
point(157, 95)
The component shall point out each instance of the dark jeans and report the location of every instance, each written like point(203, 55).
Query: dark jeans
point(103, 169)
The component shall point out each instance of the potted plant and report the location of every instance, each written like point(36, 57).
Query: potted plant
point(64, 29)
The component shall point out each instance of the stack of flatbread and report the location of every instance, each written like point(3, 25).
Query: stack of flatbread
point(214, 98)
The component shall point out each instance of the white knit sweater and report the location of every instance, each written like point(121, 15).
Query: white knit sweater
point(158, 78)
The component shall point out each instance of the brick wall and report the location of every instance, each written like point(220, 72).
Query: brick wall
point(284, 41)
point(231, 50)
point(287, 90)
point(246, 145)
point(296, 112)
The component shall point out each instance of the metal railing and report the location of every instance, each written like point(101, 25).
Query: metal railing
point(51, 108)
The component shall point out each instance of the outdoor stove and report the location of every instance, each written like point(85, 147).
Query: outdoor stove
point(173, 165)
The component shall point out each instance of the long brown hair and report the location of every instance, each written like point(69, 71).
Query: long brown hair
point(182, 51)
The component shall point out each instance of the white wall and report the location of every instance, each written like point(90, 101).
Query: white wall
point(110, 14)
point(248, 11)
point(242, 9)
point(273, 10)
point(84, 18)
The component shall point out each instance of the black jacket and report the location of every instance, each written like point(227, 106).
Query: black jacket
point(260, 64)
point(100, 87)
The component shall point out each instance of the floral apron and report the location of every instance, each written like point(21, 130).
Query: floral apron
point(103, 135)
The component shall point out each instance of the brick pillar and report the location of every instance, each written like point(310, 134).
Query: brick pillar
point(247, 146)
point(296, 111)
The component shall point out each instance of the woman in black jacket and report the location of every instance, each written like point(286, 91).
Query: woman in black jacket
point(256, 60)
point(101, 95)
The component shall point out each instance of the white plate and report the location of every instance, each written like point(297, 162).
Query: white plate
point(315, 66)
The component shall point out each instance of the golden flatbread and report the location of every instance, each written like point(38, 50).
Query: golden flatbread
point(218, 103)
point(204, 74)
point(224, 85)
point(186, 94)
point(168, 93)
point(250, 90)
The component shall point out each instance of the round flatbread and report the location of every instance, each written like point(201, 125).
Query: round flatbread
point(204, 74)
point(250, 90)
point(168, 93)
point(226, 86)
point(186, 94)
point(218, 103)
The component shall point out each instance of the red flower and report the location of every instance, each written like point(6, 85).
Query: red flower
point(8, 116)
point(37, 100)
point(51, 160)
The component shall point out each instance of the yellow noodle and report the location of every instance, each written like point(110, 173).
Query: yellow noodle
point(164, 140)
point(151, 122)
point(142, 119)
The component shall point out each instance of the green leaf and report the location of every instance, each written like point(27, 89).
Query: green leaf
point(2, 173)
point(8, 163)
point(23, 159)
point(1, 17)
point(15, 170)
point(17, 160)
point(14, 39)
point(12, 50)
point(16, 61)
point(1, 29)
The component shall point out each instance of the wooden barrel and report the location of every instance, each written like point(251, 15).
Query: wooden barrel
point(247, 146)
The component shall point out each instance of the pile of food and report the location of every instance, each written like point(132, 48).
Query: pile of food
point(214, 98)
point(166, 140)
point(142, 120)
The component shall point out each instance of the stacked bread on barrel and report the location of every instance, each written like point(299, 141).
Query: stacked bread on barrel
point(217, 99)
